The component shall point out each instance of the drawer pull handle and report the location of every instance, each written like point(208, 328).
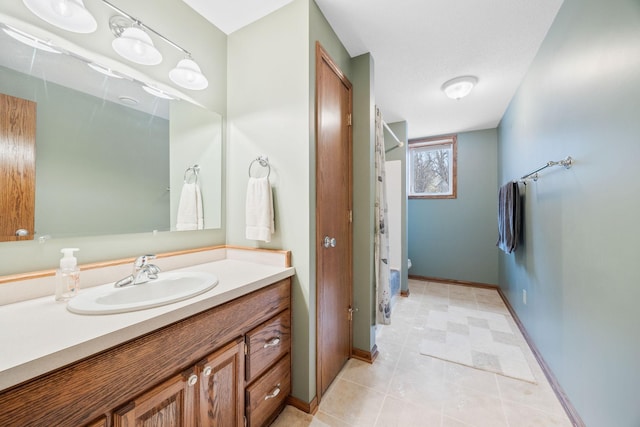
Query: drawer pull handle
point(207, 371)
point(272, 342)
point(274, 393)
point(193, 379)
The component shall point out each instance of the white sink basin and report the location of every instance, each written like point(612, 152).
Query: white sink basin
point(169, 287)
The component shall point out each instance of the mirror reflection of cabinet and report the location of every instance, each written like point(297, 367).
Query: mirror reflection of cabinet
point(17, 168)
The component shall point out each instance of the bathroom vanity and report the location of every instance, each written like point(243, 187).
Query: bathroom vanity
point(222, 358)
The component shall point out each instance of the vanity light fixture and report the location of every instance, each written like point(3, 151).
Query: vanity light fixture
point(188, 75)
point(70, 15)
point(29, 40)
point(136, 46)
point(104, 70)
point(156, 92)
point(459, 87)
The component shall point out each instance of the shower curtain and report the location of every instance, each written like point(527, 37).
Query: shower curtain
point(381, 245)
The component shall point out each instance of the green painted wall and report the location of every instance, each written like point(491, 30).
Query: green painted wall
point(363, 201)
point(209, 45)
point(271, 69)
point(268, 69)
point(456, 238)
point(579, 261)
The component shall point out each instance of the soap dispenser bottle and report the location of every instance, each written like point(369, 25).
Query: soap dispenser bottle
point(67, 276)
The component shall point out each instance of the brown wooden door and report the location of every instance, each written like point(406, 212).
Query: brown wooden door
point(333, 219)
point(170, 404)
point(222, 387)
point(17, 167)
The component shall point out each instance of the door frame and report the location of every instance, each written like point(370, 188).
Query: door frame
point(323, 56)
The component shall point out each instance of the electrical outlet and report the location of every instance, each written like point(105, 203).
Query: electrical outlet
point(524, 296)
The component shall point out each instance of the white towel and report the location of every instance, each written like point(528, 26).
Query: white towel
point(190, 208)
point(259, 210)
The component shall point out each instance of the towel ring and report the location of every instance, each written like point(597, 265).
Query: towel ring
point(262, 161)
point(195, 169)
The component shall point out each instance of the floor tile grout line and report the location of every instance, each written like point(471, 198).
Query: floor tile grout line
point(504, 410)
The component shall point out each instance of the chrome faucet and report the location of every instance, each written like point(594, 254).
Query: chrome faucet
point(142, 272)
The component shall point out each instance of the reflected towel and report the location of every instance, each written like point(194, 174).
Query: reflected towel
point(508, 217)
point(259, 210)
point(190, 215)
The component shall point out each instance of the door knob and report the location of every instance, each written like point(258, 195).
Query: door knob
point(21, 232)
point(329, 242)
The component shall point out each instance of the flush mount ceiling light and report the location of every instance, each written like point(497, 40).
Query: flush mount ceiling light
point(70, 15)
point(459, 87)
point(127, 100)
point(188, 75)
point(157, 92)
point(104, 70)
point(136, 46)
point(29, 40)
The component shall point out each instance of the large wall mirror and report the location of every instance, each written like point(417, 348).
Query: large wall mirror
point(110, 157)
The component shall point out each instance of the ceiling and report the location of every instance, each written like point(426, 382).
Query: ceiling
point(417, 45)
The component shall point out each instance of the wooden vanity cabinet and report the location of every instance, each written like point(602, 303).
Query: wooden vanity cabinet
point(190, 373)
point(207, 394)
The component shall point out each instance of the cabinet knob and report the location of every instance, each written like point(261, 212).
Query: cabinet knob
point(274, 393)
point(193, 379)
point(207, 371)
point(272, 342)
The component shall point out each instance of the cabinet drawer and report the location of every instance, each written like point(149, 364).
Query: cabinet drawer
point(268, 393)
point(267, 343)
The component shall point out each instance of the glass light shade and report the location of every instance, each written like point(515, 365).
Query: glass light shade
point(156, 92)
point(136, 46)
point(188, 75)
point(29, 40)
point(70, 15)
point(459, 87)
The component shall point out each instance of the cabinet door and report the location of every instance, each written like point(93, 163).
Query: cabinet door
point(221, 387)
point(168, 405)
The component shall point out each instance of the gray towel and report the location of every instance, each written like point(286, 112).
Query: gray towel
point(508, 217)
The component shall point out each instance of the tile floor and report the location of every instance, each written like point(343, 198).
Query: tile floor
point(404, 388)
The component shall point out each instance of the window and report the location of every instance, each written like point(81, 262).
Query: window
point(432, 167)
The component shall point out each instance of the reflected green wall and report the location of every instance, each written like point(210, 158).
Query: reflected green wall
point(579, 261)
point(456, 238)
point(86, 166)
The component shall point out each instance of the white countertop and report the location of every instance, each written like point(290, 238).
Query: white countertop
point(40, 335)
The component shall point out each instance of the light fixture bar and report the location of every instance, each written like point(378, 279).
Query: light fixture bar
point(140, 24)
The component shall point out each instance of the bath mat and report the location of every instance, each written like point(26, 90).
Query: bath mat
point(479, 339)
